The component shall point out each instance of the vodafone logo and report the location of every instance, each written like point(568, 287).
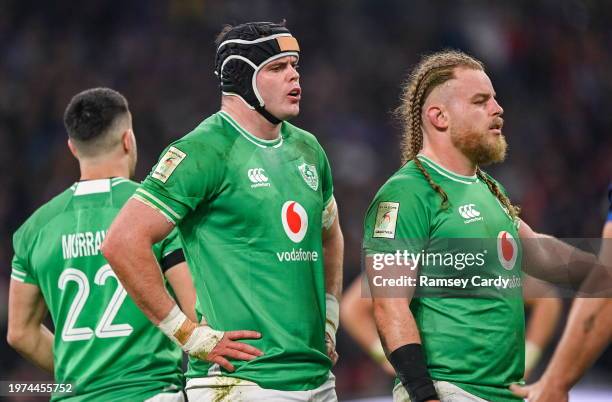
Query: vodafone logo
point(295, 220)
point(507, 250)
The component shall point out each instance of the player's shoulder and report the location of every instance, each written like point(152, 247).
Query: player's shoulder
point(407, 181)
point(497, 182)
point(45, 213)
point(295, 134)
point(291, 130)
point(407, 187)
point(121, 184)
point(122, 189)
point(210, 136)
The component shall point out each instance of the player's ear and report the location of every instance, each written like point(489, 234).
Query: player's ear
point(128, 140)
point(73, 149)
point(437, 117)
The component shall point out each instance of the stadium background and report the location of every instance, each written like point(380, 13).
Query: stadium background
point(549, 62)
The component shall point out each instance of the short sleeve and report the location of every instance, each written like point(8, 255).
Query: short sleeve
point(397, 219)
point(327, 184)
point(21, 268)
point(187, 173)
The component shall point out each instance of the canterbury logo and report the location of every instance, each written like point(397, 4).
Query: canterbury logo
point(467, 211)
point(257, 175)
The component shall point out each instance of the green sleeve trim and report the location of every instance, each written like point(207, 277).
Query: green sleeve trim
point(17, 272)
point(17, 278)
point(159, 202)
point(150, 204)
point(329, 200)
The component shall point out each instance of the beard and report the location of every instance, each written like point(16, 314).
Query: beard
point(481, 148)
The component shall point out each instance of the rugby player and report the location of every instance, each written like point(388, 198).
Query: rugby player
point(441, 203)
point(252, 198)
point(104, 348)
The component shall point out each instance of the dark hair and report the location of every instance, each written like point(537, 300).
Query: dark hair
point(92, 112)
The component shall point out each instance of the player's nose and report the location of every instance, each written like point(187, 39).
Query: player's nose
point(294, 75)
point(497, 110)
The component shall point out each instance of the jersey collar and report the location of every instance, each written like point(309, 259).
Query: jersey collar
point(447, 173)
point(275, 143)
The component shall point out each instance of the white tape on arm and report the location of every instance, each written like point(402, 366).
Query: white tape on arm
point(172, 323)
point(330, 212)
point(332, 316)
point(195, 340)
point(532, 355)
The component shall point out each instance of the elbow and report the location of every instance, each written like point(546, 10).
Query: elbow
point(110, 247)
point(15, 338)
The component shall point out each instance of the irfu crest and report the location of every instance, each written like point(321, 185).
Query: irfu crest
point(309, 173)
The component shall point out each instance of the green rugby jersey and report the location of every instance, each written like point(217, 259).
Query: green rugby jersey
point(249, 213)
point(476, 343)
point(103, 343)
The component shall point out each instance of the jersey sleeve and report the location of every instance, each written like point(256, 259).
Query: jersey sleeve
point(327, 184)
point(21, 268)
point(187, 173)
point(397, 219)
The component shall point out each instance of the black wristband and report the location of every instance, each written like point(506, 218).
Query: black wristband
point(172, 259)
point(409, 364)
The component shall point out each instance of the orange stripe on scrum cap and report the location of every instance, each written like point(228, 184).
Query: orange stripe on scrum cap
point(288, 44)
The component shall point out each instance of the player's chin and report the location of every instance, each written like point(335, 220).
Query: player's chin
point(290, 112)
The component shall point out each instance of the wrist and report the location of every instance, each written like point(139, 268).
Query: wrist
point(377, 352)
point(409, 364)
point(332, 316)
point(177, 326)
point(558, 381)
point(533, 353)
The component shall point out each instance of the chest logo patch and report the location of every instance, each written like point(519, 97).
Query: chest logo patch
point(258, 177)
point(469, 213)
point(166, 165)
point(507, 250)
point(295, 220)
point(386, 220)
point(310, 176)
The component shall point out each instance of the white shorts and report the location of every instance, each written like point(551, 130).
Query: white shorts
point(168, 397)
point(446, 391)
point(229, 389)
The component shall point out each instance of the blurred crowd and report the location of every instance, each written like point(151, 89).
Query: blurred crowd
point(549, 62)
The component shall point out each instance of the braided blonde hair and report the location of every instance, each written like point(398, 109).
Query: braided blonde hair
point(433, 71)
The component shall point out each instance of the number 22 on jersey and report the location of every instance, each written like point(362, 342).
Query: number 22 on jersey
point(105, 328)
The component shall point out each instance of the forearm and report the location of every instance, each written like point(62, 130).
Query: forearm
point(180, 279)
point(586, 335)
point(333, 252)
point(555, 261)
point(543, 321)
point(139, 272)
point(401, 340)
point(395, 323)
point(357, 317)
point(36, 345)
